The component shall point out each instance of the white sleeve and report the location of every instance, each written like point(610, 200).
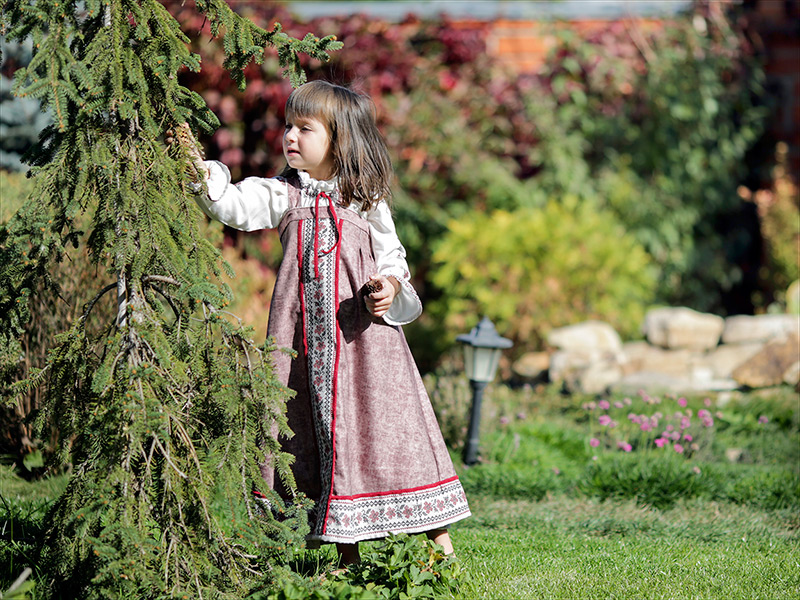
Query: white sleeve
point(254, 203)
point(390, 256)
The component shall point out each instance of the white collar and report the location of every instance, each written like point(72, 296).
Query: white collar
point(316, 185)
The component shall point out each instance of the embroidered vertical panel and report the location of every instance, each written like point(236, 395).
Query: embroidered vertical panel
point(319, 298)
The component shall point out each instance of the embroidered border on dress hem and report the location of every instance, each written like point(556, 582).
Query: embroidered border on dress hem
point(413, 511)
point(376, 535)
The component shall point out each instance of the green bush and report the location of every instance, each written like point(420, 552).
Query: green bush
point(511, 481)
point(531, 270)
point(768, 489)
point(399, 567)
point(658, 479)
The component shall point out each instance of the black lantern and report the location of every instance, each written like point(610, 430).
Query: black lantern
point(482, 348)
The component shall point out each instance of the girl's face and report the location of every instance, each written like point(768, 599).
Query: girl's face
point(306, 146)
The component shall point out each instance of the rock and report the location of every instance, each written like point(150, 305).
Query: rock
point(742, 329)
point(599, 377)
point(531, 366)
point(566, 365)
point(594, 335)
point(588, 371)
point(768, 366)
point(791, 376)
point(682, 328)
point(734, 455)
point(724, 359)
point(652, 383)
point(641, 356)
point(661, 383)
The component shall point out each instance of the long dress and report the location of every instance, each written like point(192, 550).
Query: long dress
point(367, 446)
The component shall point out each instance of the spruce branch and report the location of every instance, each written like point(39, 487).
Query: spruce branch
point(159, 416)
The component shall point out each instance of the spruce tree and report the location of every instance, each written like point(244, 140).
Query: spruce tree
point(166, 409)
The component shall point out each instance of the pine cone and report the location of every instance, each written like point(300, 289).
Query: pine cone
point(372, 286)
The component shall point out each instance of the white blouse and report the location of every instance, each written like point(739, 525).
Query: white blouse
point(260, 203)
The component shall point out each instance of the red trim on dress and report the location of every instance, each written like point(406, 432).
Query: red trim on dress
point(392, 492)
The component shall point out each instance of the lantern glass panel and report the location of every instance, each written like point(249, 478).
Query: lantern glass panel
point(481, 363)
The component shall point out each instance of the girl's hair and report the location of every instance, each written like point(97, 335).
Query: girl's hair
point(360, 157)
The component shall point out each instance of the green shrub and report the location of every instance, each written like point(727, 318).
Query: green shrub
point(399, 567)
point(532, 270)
point(512, 481)
point(766, 488)
point(658, 479)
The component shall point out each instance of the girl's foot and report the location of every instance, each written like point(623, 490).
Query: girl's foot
point(442, 537)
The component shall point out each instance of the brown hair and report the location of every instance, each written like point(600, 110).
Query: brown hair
point(360, 157)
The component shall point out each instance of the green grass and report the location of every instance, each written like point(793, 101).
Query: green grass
point(682, 526)
point(581, 548)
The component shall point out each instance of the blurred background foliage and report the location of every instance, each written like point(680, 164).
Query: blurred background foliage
point(647, 134)
point(631, 170)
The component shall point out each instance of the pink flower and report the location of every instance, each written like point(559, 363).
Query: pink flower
point(688, 437)
point(556, 471)
point(622, 445)
point(603, 404)
point(696, 470)
point(685, 422)
point(703, 413)
point(594, 442)
point(618, 404)
point(707, 402)
point(660, 442)
point(634, 418)
point(521, 416)
point(504, 420)
point(627, 401)
point(682, 402)
point(763, 419)
point(645, 427)
point(604, 420)
point(678, 448)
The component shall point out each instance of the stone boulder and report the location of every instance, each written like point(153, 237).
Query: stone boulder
point(682, 328)
point(588, 358)
point(724, 359)
point(742, 329)
point(772, 365)
point(660, 383)
point(587, 371)
point(594, 335)
point(641, 356)
point(531, 366)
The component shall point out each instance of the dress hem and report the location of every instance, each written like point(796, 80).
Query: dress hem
point(376, 535)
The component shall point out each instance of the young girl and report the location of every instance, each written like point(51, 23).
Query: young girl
point(367, 446)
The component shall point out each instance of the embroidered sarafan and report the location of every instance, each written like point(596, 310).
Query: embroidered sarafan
point(367, 447)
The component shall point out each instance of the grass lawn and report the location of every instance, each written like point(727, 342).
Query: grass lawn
point(572, 548)
point(562, 510)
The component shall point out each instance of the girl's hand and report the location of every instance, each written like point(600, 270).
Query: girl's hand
point(183, 135)
point(378, 302)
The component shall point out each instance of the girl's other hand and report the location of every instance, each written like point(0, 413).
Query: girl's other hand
point(378, 302)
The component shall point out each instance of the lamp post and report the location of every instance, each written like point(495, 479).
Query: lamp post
point(482, 348)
